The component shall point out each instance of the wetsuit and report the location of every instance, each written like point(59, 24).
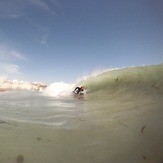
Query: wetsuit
point(78, 90)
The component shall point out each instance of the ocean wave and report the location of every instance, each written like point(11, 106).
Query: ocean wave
point(132, 78)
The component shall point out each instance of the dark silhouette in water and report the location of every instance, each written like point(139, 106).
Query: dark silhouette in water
point(78, 90)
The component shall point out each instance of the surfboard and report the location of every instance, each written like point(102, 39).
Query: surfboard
point(80, 93)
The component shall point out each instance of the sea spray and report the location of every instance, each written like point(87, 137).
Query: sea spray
point(59, 89)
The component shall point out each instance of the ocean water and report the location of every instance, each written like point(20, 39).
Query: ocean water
point(118, 120)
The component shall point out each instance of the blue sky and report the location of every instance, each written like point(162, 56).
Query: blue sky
point(62, 40)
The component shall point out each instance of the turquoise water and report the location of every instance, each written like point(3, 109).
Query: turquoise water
point(119, 120)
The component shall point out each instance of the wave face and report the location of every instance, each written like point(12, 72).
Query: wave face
point(111, 82)
point(145, 78)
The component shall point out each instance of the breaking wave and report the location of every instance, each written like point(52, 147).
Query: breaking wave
point(59, 89)
point(142, 78)
point(126, 79)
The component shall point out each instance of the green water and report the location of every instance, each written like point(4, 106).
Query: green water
point(119, 121)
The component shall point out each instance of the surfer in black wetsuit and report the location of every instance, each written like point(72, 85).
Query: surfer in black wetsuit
point(77, 90)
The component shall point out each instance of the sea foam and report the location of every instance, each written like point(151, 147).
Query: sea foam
point(58, 89)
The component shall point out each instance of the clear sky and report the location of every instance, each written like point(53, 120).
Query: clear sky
point(62, 40)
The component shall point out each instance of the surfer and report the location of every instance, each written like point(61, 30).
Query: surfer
point(78, 90)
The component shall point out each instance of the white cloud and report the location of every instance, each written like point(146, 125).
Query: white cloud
point(10, 54)
point(42, 5)
point(7, 58)
point(14, 9)
point(17, 55)
point(11, 9)
point(17, 8)
point(9, 69)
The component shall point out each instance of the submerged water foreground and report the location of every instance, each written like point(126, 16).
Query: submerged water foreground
point(119, 121)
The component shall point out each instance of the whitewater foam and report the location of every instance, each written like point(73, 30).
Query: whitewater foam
point(58, 89)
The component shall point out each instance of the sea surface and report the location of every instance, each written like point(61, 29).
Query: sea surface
point(118, 120)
